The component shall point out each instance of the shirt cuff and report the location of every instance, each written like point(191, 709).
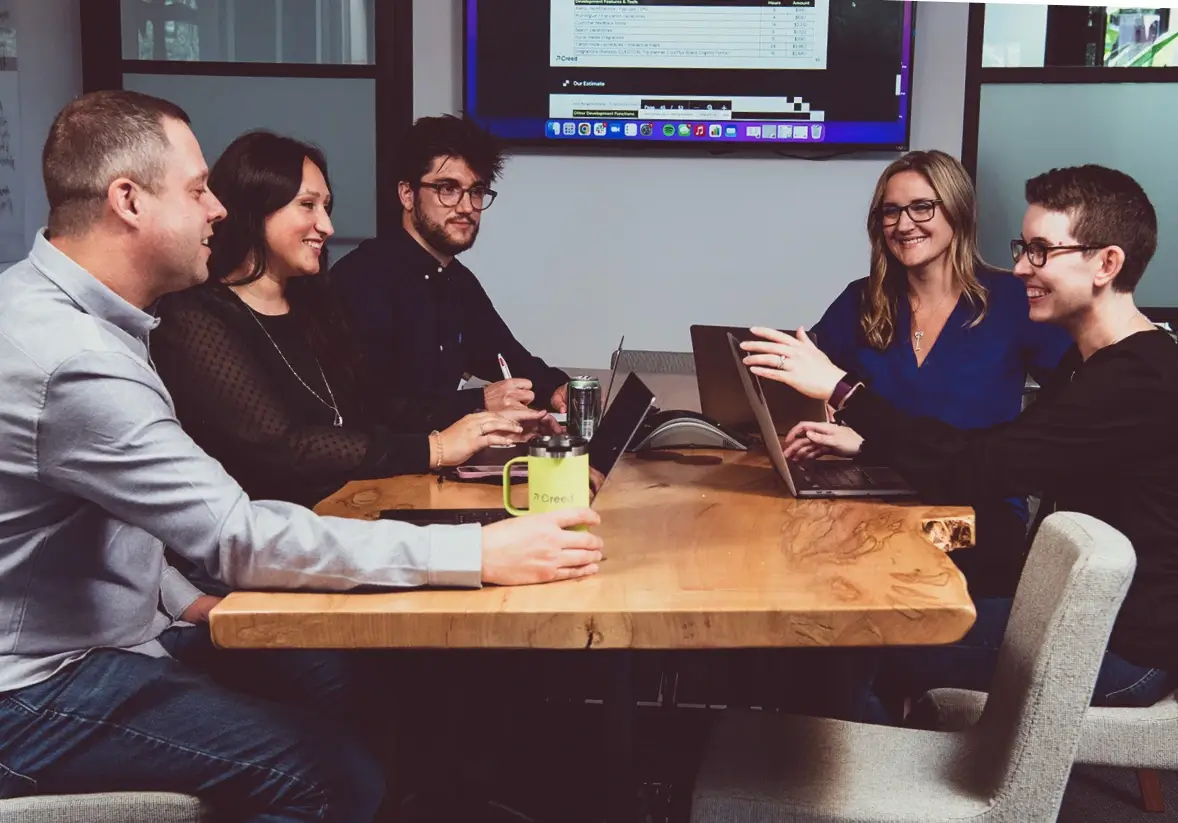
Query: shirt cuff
point(176, 593)
point(547, 385)
point(468, 401)
point(456, 556)
point(393, 454)
point(867, 413)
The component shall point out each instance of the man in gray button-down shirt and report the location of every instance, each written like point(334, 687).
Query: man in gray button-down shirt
point(97, 477)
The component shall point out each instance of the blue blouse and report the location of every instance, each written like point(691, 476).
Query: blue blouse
point(971, 377)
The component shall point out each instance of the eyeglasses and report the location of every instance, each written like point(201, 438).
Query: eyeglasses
point(918, 211)
point(1037, 252)
point(450, 195)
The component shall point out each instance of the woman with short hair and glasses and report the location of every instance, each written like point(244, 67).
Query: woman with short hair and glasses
point(938, 332)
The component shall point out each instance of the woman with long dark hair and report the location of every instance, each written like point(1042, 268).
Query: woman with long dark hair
point(259, 362)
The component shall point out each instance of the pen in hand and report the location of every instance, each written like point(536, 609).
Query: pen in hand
point(503, 368)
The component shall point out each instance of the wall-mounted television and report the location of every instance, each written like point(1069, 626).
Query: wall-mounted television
point(735, 74)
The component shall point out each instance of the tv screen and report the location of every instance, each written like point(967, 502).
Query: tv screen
point(717, 73)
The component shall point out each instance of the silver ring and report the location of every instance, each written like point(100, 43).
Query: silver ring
point(781, 362)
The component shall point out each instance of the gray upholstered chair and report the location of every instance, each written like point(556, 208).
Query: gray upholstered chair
point(1143, 739)
point(115, 807)
point(653, 362)
point(1012, 765)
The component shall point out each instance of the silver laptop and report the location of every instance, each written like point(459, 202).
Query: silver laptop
point(815, 478)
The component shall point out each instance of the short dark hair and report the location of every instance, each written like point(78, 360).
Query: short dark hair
point(448, 136)
point(1107, 208)
point(258, 173)
point(96, 139)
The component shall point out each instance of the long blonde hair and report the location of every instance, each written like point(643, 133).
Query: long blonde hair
point(888, 281)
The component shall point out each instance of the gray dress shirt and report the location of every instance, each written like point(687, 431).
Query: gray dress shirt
point(97, 477)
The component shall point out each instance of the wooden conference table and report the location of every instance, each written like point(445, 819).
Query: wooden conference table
point(704, 550)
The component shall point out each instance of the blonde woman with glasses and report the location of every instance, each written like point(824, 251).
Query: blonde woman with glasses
point(938, 332)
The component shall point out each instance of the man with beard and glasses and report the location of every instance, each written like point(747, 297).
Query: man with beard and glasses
point(422, 318)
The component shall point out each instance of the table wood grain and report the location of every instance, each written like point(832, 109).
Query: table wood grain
point(703, 550)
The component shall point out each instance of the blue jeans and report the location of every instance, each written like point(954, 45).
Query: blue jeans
point(353, 688)
point(119, 721)
point(970, 663)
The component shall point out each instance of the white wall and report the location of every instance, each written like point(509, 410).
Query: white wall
point(49, 56)
point(579, 250)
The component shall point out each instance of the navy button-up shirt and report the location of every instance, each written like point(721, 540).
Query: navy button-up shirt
point(423, 326)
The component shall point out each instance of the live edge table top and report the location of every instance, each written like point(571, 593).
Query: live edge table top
point(704, 549)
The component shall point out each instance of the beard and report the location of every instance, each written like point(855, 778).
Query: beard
point(435, 234)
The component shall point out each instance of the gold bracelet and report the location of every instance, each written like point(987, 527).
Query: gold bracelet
point(441, 452)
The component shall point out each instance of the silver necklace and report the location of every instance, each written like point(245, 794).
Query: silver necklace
point(339, 418)
point(918, 334)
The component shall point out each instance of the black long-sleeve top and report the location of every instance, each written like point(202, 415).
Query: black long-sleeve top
point(423, 327)
point(1103, 441)
point(240, 394)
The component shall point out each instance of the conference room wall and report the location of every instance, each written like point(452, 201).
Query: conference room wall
point(49, 58)
point(580, 250)
point(1026, 129)
point(338, 115)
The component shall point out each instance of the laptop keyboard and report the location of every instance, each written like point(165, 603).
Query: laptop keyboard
point(832, 475)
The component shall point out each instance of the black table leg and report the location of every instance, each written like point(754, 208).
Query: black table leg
point(622, 786)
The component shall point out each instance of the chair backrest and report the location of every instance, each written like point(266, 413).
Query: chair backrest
point(1076, 575)
point(654, 362)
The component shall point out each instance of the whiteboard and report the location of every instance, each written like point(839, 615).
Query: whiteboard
point(12, 199)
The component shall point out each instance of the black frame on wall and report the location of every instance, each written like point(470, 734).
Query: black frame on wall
point(103, 67)
point(976, 76)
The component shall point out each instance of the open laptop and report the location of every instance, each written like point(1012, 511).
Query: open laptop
point(721, 396)
point(815, 478)
point(618, 426)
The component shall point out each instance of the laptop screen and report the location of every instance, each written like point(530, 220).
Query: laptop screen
point(620, 424)
point(756, 401)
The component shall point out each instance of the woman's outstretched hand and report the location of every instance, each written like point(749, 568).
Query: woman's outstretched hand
point(794, 361)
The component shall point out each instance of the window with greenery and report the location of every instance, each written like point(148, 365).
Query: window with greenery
point(1039, 36)
point(1140, 37)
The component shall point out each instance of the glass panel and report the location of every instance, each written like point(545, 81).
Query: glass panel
point(331, 32)
point(1014, 35)
point(1042, 35)
point(1140, 37)
point(7, 41)
point(1065, 133)
point(222, 108)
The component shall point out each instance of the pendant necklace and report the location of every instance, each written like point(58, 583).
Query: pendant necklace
point(339, 418)
point(918, 334)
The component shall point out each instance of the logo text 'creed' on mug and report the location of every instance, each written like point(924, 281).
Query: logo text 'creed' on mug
point(558, 475)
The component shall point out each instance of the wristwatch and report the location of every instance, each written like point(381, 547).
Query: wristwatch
point(845, 388)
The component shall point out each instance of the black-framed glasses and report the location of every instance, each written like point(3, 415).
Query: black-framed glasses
point(451, 194)
point(1037, 252)
point(918, 211)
